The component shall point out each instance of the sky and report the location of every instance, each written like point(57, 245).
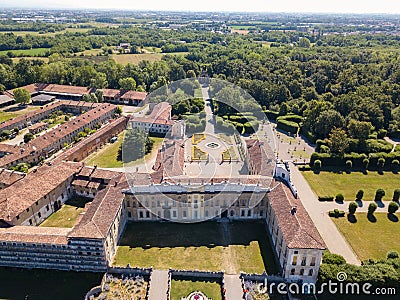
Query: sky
point(324, 6)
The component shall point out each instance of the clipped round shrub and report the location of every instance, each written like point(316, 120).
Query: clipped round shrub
point(359, 195)
point(396, 195)
point(339, 198)
point(381, 162)
point(353, 207)
point(392, 254)
point(317, 164)
point(393, 207)
point(366, 163)
point(349, 164)
point(372, 208)
point(379, 194)
point(395, 163)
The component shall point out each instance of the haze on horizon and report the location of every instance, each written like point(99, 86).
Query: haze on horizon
point(315, 6)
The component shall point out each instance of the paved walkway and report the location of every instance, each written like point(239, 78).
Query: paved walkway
point(233, 287)
point(158, 285)
point(317, 210)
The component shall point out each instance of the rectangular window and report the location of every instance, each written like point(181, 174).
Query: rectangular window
point(184, 213)
point(294, 261)
point(129, 214)
point(141, 214)
point(313, 261)
point(292, 271)
point(304, 261)
point(242, 213)
point(302, 272)
point(174, 213)
point(147, 214)
point(310, 273)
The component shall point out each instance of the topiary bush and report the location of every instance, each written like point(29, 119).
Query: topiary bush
point(339, 198)
point(372, 208)
point(366, 163)
point(352, 207)
point(349, 164)
point(359, 195)
point(396, 195)
point(392, 254)
point(379, 194)
point(393, 207)
point(395, 164)
point(317, 164)
point(381, 163)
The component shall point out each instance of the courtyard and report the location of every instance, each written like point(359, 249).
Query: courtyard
point(67, 215)
point(210, 246)
point(370, 237)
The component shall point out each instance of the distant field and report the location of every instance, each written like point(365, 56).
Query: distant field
point(23, 33)
point(330, 183)
point(125, 59)
point(202, 246)
point(27, 52)
point(17, 59)
point(370, 239)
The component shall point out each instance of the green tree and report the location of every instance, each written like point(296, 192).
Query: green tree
point(28, 137)
point(328, 120)
point(127, 84)
point(22, 96)
point(338, 141)
point(304, 42)
point(359, 130)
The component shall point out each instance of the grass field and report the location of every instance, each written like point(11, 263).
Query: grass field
point(107, 157)
point(66, 216)
point(17, 59)
point(27, 52)
point(330, 183)
point(15, 111)
point(16, 284)
point(370, 239)
point(125, 59)
point(202, 246)
point(182, 288)
point(23, 33)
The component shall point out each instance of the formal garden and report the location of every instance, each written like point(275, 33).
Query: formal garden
point(204, 246)
point(195, 290)
point(198, 154)
point(133, 287)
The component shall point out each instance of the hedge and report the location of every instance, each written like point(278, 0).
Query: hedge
point(329, 160)
point(293, 118)
point(308, 135)
point(325, 198)
point(288, 126)
point(336, 213)
point(271, 115)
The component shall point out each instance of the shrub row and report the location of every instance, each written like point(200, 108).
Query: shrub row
point(336, 213)
point(288, 126)
point(373, 161)
point(293, 118)
point(326, 198)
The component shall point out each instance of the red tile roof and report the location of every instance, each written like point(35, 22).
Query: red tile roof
point(35, 234)
point(34, 186)
point(297, 227)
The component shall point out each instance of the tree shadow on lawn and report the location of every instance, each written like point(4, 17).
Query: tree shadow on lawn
point(392, 217)
point(206, 234)
point(351, 218)
point(359, 203)
point(380, 203)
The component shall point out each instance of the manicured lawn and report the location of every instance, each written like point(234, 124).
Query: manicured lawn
point(198, 154)
point(370, 239)
point(202, 246)
point(182, 288)
point(66, 216)
point(197, 138)
point(107, 157)
point(45, 284)
point(27, 52)
point(330, 183)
